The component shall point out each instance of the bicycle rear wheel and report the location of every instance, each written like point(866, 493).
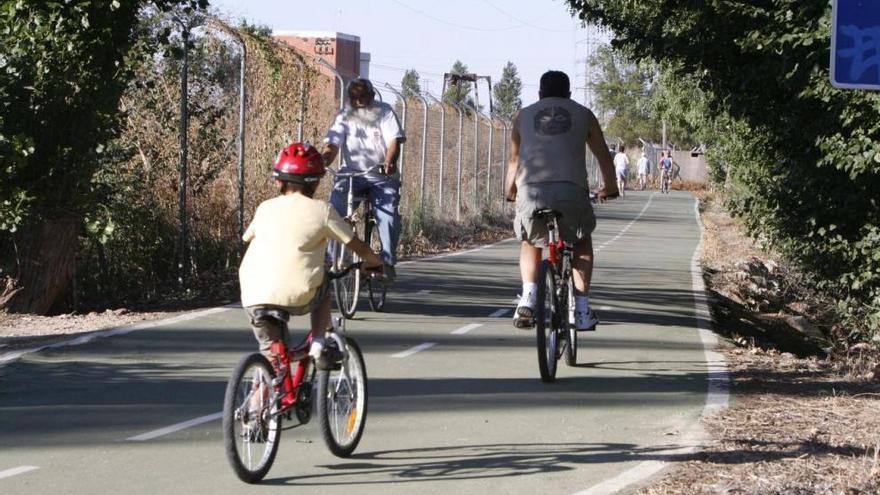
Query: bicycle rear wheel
point(571, 334)
point(546, 322)
point(342, 402)
point(376, 288)
point(250, 435)
point(347, 288)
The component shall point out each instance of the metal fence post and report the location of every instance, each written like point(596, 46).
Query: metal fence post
point(338, 78)
point(476, 156)
point(442, 150)
point(458, 173)
point(491, 122)
point(424, 152)
point(403, 123)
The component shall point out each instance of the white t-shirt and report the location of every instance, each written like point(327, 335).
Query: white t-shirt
point(621, 162)
point(364, 134)
point(643, 165)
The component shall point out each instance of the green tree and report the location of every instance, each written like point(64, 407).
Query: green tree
point(410, 84)
point(799, 159)
point(623, 93)
point(458, 92)
point(507, 93)
point(64, 67)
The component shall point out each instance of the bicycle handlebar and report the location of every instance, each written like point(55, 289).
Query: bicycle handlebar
point(333, 275)
point(360, 173)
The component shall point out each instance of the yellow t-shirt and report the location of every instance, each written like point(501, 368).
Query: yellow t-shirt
point(284, 263)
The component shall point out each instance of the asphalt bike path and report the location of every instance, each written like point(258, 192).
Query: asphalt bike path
point(456, 404)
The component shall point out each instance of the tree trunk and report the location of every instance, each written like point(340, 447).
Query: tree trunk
point(46, 259)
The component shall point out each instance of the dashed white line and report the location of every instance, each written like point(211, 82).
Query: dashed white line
point(605, 308)
point(18, 470)
point(174, 428)
point(625, 229)
point(467, 328)
point(499, 313)
point(410, 352)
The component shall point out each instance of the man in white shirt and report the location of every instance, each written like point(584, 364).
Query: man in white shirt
point(369, 134)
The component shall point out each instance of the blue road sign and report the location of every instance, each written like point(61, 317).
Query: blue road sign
point(855, 44)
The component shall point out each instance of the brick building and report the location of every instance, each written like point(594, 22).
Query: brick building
point(342, 51)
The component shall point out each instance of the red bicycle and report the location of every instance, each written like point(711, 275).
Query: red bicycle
point(260, 394)
point(554, 312)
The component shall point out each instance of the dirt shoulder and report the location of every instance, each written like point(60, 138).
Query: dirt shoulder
point(795, 425)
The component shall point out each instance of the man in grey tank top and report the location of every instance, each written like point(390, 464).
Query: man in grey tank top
point(548, 169)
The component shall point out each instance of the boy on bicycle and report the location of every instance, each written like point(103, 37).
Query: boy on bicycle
point(283, 270)
point(548, 169)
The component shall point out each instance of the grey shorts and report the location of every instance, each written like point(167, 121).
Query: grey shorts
point(266, 332)
point(578, 220)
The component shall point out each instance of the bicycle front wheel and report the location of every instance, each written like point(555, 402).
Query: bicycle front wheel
point(347, 288)
point(342, 402)
point(376, 288)
point(546, 322)
point(250, 433)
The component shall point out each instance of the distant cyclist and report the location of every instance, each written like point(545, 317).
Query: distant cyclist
point(283, 268)
point(369, 135)
point(547, 169)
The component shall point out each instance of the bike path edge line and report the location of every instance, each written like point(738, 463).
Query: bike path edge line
point(717, 376)
point(8, 473)
point(112, 332)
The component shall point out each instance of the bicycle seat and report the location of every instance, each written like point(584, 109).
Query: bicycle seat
point(547, 213)
point(271, 315)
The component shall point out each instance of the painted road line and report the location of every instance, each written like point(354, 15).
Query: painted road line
point(625, 229)
point(423, 292)
point(605, 308)
point(175, 428)
point(499, 313)
point(467, 328)
point(457, 253)
point(410, 352)
point(16, 471)
point(112, 332)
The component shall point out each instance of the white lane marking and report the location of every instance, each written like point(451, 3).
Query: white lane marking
point(12, 356)
point(423, 292)
point(467, 328)
point(499, 313)
point(174, 428)
point(625, 229)
point(717, 396)
point(18, 470)
point(410, 352)
point(457, 253)
point(605, 308)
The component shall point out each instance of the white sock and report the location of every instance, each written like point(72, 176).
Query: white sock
point(316, 348)
point(529, 294)
point(581, 304)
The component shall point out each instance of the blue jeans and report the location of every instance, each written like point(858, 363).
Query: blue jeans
point(384, 194)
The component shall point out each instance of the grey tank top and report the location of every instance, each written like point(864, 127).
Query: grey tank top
point(553, 135)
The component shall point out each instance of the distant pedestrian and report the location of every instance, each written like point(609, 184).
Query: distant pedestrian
point(643, 166)
point(621, 166)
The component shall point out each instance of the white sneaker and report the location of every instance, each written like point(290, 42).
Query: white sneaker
point(585, 320)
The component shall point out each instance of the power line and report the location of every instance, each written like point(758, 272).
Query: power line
point(524, 23)
point(453, 24)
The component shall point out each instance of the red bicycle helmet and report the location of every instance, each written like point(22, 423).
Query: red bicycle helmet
point(300, 163)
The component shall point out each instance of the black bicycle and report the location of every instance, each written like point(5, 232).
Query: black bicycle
point(347, 289)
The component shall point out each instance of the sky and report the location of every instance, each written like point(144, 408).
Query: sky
point(429, 36)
